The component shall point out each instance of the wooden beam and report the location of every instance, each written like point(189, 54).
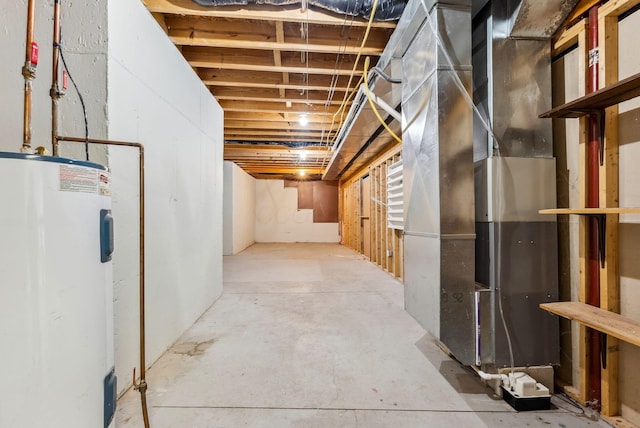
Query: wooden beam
point(252, 79)
point(262, 60)
point(277, 60)
point(275, 107)
point(271, 150)
point(285, 170)
point(193, 38)
point(274, 133)
point(581, 8)
point(259, 13)
point(569, 38)
point(232, 137)
point(294, 125)
point(271, 95)
point(609, 197)
point(276, 117)
point(159, 17)
point(615, 8)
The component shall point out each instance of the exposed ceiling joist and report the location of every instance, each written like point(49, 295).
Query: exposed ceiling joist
point(268, 66)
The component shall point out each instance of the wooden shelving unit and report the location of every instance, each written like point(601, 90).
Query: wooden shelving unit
point(607, 322)
point(599, 100)
point(603, 104)
point(591, 211)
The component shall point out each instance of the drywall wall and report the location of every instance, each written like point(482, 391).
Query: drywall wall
point(278, 218)
point(629, 229)
point(154, 97)
point(239, 222)
point(565, 133)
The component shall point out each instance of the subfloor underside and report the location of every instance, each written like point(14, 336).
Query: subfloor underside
point(314, 335)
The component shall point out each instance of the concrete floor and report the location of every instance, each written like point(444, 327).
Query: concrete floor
point(313, 335)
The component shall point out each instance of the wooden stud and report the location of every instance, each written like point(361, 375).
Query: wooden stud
point(609, 285)
point(569, 38)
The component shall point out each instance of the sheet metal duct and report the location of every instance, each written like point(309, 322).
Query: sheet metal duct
point(516, 248)
point(361, 138)
point(538, 18)
point(388, 10)
point(438, 180)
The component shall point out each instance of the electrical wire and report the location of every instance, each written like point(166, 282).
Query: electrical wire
point(84, 108)
point(373, 105)
point(350, 93)
point(340, 58)
point(486, 123)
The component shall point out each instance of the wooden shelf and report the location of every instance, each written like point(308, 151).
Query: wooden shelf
point(591, 211)
point(599, 100)
point(613, 324)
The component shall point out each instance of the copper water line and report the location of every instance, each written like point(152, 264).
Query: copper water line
point(593, 201)
point(29, 73)
point(55, 92)
point(141, 386)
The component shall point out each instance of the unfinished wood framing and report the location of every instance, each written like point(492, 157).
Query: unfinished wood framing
point(266, 59)
point(606, 317)
point(386, 243)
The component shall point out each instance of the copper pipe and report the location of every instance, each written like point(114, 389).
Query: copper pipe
point(29, 73)
point(593, 201)
point(142, 384)
point(55, 92)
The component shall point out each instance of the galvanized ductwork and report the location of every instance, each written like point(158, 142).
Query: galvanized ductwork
point(388, 10)
point(438, 176)
point(516, 248)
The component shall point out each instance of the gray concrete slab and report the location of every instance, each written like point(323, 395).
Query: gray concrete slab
point(310, 335)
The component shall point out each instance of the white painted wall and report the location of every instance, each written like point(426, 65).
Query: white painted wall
point(137, 87)
point(154, 97)
point(278, 218)
point(239, 223)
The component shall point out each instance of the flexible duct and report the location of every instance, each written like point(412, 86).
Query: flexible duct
point(388, 10)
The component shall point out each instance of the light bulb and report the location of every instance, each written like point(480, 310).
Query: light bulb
point(304, 120)
point(301, 173)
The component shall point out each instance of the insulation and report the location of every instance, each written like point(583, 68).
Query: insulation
point(388, 10)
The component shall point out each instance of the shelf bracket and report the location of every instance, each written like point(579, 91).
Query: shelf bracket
point(603, 350)
point(602, 238)
point(600, 115)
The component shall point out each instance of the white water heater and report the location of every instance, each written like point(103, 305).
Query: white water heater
point(56, 295)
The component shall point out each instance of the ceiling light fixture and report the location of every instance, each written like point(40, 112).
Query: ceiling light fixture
point(301, 173)
point(303, 120)
point(303, 155)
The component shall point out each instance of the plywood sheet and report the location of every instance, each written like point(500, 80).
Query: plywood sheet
point(325, 201)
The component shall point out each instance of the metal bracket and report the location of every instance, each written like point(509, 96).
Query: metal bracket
point(386, 107)
point(603, 350)
point(602, 238)
point(600, 116)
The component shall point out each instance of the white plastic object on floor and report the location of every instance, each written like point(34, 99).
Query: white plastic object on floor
point(525, 386)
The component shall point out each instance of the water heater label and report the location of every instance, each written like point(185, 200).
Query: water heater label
point(78, 179)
